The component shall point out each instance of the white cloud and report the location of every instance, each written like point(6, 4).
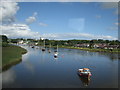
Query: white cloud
point(8, 11)
point(23, 31)
point(31, 19)
point(18, 30)
point(42, 24)
point(76, 36)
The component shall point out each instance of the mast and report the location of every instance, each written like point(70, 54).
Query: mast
point(50, 45)
point(57, 48)
point(44, 43)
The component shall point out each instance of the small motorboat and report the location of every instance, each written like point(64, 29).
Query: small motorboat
point(55, 54)
point(49, 50)
point(43, 49)
point(85, 72)
point(32, 46)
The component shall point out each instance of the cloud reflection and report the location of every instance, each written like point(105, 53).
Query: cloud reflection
point(29, 66)
point(8, 77)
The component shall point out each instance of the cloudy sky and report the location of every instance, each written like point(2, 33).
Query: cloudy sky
point(60, 20)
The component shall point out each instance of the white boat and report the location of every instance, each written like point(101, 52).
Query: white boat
point(49, 49)
point(85, 72)
point(43, 49)
point(56, 53)
point(32, 46)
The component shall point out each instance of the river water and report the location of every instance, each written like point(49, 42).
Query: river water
point(40, 69)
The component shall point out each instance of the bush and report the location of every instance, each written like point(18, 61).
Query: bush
point(5, 44)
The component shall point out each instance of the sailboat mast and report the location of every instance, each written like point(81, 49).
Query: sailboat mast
point(44, 43)
point(50, 45)
point(57, 48)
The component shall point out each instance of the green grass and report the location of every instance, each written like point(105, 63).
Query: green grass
point(89, 49)
point(11, 55)
point(93, 49)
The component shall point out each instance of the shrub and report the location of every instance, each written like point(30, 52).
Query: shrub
point(5, 44)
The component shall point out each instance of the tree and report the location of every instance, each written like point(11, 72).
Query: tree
point(14, 40)
point(91, 43)
point(4, 41)
point(4, 38)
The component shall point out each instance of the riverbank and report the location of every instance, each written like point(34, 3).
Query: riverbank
point(11, 55)
point(90, 49)
point(93, 49)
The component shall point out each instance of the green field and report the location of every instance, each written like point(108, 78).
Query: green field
point(11, 55)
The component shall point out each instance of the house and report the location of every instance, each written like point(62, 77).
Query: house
point(82, 45)
point(20, 42)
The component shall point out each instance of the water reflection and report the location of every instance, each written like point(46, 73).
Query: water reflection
point(85, 81)
point(56, 58)
point(111, 56)
point(37, 65)
point(29, 66)
point(8, 77)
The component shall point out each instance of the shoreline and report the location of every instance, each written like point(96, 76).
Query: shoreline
point(93, 50)
point(89, 49)
point(15, 57)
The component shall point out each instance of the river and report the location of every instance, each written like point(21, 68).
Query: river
point(39, 69)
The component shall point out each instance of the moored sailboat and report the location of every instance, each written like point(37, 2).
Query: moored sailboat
point(56, 53)
point(43, 49)
point(49, 49)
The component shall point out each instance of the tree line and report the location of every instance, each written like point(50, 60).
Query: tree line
point(5, 40)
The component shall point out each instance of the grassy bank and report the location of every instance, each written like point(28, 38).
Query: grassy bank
point(90, 49)
point(93, 49)
point(11, 55)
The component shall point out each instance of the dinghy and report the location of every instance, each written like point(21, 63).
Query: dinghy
point(85, 72)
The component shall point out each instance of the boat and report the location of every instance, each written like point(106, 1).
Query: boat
point(85, 72)
point(56, 53)
point(43, 49)
point(49, 49)
point(32, 47)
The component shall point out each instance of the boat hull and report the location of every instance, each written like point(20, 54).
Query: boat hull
point(84, 74)
point(43, 49)
point(55, 56)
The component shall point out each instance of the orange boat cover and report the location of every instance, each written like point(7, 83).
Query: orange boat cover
point(85, 69)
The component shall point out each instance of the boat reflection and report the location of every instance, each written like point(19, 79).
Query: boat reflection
point(85, 81)
point(56, 58)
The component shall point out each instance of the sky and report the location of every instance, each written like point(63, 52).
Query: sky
point(60, 20)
